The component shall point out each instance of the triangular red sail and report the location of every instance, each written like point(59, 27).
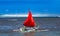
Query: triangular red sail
point(29, 22)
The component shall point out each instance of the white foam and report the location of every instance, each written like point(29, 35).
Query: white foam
point(24, 15)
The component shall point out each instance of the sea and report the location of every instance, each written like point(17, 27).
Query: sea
point(52, 24)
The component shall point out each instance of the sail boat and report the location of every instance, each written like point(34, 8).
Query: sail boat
point(29, 23)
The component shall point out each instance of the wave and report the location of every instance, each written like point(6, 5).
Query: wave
point(25, 15)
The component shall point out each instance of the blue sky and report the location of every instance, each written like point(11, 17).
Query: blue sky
point(36, 6)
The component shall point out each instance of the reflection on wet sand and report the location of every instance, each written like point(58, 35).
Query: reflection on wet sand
point(29, 34)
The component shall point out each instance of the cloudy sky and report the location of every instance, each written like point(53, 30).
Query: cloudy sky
point(51, 7)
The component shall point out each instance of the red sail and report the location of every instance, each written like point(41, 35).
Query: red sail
point(29, 22)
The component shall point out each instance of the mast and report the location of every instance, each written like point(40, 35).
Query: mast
point(29, 22)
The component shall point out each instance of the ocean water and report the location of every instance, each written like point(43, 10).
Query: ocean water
point(50, 23)
point(47, 33)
